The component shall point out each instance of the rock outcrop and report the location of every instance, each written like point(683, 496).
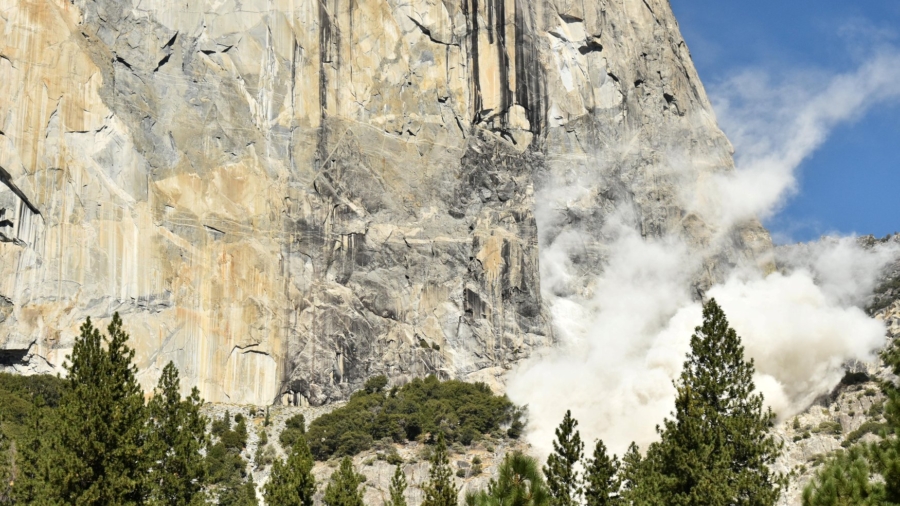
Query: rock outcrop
point(287, 197)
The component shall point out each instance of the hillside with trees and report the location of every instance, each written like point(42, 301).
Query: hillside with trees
point(91, 438)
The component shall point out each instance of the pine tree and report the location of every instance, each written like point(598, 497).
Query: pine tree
point(292, 483)
point(845, 480)
point(717, 450)
point(343, 489)
point(94, 451)
point(175, 442)
point(7, 467)
point(601, 478)
point(519, 483)
point(398, 488)
point(440, 489)
point(33, 483)
point(563, 477)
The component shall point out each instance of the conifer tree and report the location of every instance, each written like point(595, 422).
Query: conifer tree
point(398, 488)
point(601, 478)
point(176, 437)
point(440, 489)
point(94, 450)
point(561, 471)
point(33, 483)
point(717, 450)
point(343, 489)
point(519, 483)
point(292, 483)
point(7, 467)
point(845, 480)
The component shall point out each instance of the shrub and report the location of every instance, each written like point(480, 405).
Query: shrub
point(416, 411)
point(294, 429)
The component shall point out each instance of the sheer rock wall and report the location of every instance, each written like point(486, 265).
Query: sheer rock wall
point(287, 197)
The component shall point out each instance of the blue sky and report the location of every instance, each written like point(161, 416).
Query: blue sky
point(851, 182)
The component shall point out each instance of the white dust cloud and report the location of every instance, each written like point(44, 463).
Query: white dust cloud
point(625, 333)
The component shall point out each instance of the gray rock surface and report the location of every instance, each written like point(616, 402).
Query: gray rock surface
point(287, 197)
point(813, 436)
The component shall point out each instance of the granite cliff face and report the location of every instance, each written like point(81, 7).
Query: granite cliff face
point(287, 197)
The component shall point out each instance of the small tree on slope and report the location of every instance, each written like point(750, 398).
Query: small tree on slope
point(561, 471)
point(175, 439)
point(601, 478)
point(398, 488)
point(292, 483)
point(343, 489)
point(440, 489)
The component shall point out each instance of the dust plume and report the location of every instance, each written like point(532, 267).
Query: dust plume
point(625, 333)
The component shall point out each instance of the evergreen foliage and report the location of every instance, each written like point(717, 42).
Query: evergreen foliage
point(291, 483)
point(717, 450)
point(94, 452)
point(228, 475)
point(398, 488)
point(601, 478)
point(294, 429)
point(461, 411)
point(33, 477)
point(176, 439)
point(19, 394)
point(846, 480)
point(563, 478)
point(343, 488)
point(7, 466)
point(866, 474)
point(519, 483)
point(440, 489)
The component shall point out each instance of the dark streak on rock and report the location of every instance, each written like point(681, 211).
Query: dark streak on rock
point(472, 22)
point(171, 41)
point(123, 62)
point(6, 179)
point(590, 47)
point(506, 99)
point(162, 62)
point(531, 91)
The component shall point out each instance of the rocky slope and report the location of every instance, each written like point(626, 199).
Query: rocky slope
point(474, 465)
point(851, 412)
point(287, 197)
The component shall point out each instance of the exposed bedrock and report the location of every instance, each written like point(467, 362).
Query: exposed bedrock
point(287, 197)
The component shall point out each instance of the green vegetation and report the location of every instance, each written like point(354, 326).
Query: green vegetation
point(294, 429)
point(397, 488)
point(600, 477)
point(343, 489)
point(175, 436)
point(717, 449)
point(440, 489)
point(865, 474)
point(291, 482)
point(89, 450)
point(229, 481)
point(519, 483)
point(563, 478)
point(422, 408)
point(91, 439)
